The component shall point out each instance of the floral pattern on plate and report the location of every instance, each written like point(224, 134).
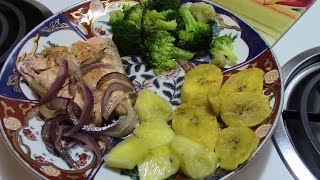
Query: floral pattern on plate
point(18, 104)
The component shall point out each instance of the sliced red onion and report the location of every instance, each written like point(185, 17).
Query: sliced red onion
point(113, 76)
point(101, 54)
point(72, 143)
point(59, 118)
point(122, 127)
point(86, 110)
point(89, 67)
point(55, 134)
point(45, 131)
point(90, 141)
point(73, 68)
point(127, 123)
point(72, 86)
point(113, 86)
point(71, 112)
point(110, 106)
point(57, 84)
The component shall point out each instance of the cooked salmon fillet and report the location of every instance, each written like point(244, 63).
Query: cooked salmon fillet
point(42, 68)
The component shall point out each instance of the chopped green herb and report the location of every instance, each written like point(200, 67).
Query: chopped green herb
point(132, 173)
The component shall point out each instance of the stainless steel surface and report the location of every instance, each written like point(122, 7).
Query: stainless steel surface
point(293, 72)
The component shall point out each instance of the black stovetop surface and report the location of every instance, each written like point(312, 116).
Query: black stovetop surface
point(17, 18)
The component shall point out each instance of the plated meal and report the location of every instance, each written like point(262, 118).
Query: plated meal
point(169, 90)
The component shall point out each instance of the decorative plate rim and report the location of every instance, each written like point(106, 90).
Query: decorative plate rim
point(227, 176)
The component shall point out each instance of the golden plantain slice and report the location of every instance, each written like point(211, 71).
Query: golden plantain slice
point(248, 80)
point(213, 97)
point(197, 124)
point(245, 109)
point(198, 82)
point(235, 146)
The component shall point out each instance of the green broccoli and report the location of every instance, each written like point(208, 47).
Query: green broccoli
point(202, 11)
point(196, 35)
point(134, 14)
point(216, 29)
point(161, 5)
point(223, 45)
point(153, 20)
point(126, 27)
point(115, 16)
point(159, 51)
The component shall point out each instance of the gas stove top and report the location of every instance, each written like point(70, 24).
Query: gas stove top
point(297, 136)
point(17, 18)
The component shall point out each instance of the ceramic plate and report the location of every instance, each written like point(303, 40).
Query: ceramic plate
point(21, 129)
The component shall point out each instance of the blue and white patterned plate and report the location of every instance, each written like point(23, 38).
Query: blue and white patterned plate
point(20, 128)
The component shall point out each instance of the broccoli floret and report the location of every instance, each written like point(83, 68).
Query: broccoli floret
point(224, 45)
point(115, 16)
point(126, 29)
point(161, 5)
point(216, 29)
point(153, 20)
point(159, 51)
point(196, 35)
point(134, 14)
point(126, 7)
point(203, 12)
point(127, 37)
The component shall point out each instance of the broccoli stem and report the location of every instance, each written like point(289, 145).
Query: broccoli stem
point(166, 25)
point(226, 51)
point(188, 19)
point(182, 54)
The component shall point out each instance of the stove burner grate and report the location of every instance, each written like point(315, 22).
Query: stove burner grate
point(297, 136)
point(4, 28)
point(299, 120)
point(305, 99)
point(15, 22)
point(18, 17)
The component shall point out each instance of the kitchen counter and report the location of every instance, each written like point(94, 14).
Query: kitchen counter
point(267, 165)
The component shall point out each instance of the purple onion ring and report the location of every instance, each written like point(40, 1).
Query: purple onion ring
point(86, 110)
point(57, 84)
